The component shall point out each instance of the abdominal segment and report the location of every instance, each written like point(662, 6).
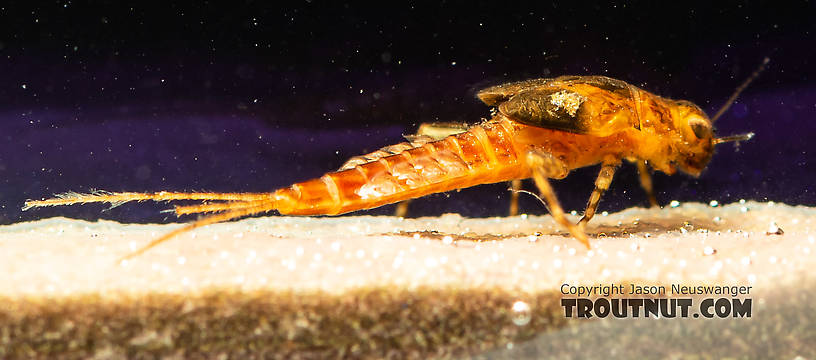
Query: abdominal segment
point(484, 154)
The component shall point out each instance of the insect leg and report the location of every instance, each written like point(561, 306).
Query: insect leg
point(646, 183)
point(543, 166)
point(515, 186)
point(601, 185)
point(429, 132)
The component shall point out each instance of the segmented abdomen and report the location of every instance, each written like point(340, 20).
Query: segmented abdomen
point(484, 154)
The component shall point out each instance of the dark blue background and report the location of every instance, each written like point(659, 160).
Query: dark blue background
point(251, 96)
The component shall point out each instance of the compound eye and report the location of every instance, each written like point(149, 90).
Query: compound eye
point(701, 129)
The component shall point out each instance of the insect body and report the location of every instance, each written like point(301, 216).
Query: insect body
point(541, 129)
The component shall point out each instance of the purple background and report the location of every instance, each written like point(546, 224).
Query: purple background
point(254, 96)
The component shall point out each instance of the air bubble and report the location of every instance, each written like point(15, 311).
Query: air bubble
point(674, 203)
point(521, 313)
point(713, 203)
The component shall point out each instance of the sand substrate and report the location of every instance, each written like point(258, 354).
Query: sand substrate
point(377, 287)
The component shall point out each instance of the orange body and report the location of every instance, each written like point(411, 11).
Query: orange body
point(487, 153)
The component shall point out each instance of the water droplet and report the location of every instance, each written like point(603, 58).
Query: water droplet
point(742, 201)
point(447, 240)
point(708, 250)
point(713, 203)
point(605, 213)
point(674, 203)
point(521, 313)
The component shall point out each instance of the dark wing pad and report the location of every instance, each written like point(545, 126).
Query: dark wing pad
point(556, 109)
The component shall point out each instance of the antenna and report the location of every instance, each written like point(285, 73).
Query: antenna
point(740, 89)
point(741, 137)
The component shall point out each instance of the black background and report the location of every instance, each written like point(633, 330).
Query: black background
point(252, 96)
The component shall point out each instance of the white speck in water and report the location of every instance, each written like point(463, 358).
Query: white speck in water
point(638, 262)
point(745, 260)
point(713, 203)
point(571, 251)
point(605, 213)
point(718, 220)
point(360, 253)
point(524, 216)
point(431, 262)
point(521, 313)
point(447, 240)
point(751, 278)
point(181, 260)
point(605, 273)
point(742, 201)
point(532, 238)
point(335, 246)
point(557, 263)
point(772, 259)
point(674, 203)
point(573, 213)
point(397, 262)
point(556, 248)
point(708, 250)
point(683, 263)
point(299, 251)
